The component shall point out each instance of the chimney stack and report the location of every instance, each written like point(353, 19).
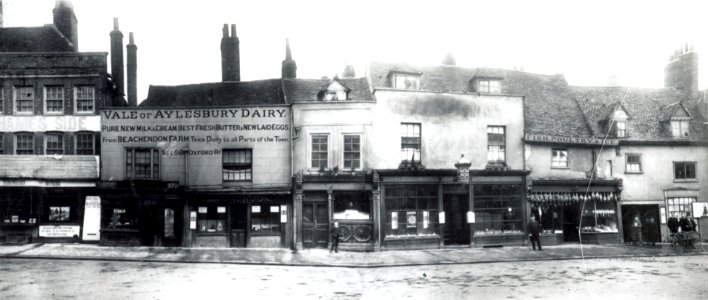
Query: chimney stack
point(230, 60)
point(348, 71)
point(289, 69)
point(117, 58)
point(682, 71)
point(132, 71)
point(65, 21)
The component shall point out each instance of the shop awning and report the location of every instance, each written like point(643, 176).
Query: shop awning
point(570, 197)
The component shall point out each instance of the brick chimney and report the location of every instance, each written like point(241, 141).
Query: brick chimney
point(230, 60)
point(289, 69)
point(682, 71)
point(65, 20)
point(132, 56)
point(117, 58)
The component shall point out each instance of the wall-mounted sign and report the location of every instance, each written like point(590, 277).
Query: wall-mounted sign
point(192, 220)
point(59, 230)
point(441, 217)
point(394, 220)
point(470, 217)
point(700, 209)
point(256, 209)
point(569, 140)
point(92, 219)
point(283, 214)
point(274, 209)
point(410, 219)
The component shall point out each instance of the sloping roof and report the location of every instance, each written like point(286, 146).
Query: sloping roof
point(67, 167)
point(646, 106)
point(308, 89)
point(549, 107)
point(34, 39)
point(258, 92)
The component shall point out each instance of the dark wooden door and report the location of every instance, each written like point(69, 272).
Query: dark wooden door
point(315, 225)
point(456, 229)
point(171, 227)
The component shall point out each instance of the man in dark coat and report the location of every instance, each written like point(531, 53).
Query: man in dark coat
point(673, 225)
point(334, 232)
point(685, 224)
point(534, 232)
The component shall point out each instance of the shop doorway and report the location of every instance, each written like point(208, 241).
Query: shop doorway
point(315, 225)
point(456, 232)
point(161, 226)
point(571, 221)
point(648, 218)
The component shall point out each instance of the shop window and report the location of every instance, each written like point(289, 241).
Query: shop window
point(319, 152)
point(496, 144)
point(54, 143)
point(352, 152)
point(85, 96)
point(24, 144)
point(684, 170)
point(118, 216)
point(633, 163)
point(549, 217)
point(85, 144)
point(59, 214)
point(54, 99)
point(560, 158)
point(406, 81)
point(237, 165)
point(411, 210)
point(169, 223)
point(498, 208)
point(211, 218)
point(351, 205)
point(142, 163)
point(18, 206)
point(679, 206)
point(24, 99)
point(265, 218)
point(410, 142)
point(599, 216)
point(679, 128)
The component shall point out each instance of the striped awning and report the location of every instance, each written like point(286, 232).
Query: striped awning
point(570, 197)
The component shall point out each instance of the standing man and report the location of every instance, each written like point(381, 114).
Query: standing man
point(673, 227)
point(534, 233)
point(335, 238)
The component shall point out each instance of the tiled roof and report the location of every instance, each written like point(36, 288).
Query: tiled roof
point(548, 104)
point(34, 39)
point(216, 94)
point(65, 167)
point(309, 89)
point(646, 108)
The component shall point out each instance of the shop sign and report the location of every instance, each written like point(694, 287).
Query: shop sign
point(192, 220)
point(470, 217)
point(441, 217)
point(92, 219)
point(394, 220)
point(59, 230)
point(283, 214)
point(569, 140)
point(426, 218)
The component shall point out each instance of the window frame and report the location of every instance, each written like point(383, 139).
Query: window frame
point(627, 169)
point(319, 151)
point(155, 174)
point(16, 105)
point(621, 133)
point(92, 138)
point(405, 158)
point(488, 86)
point(502, 145)
point(46, 99)
point(685, 170)
point(247, 172)
point(59, 150)
point(682, 126)
point(684, 205)
point(16, 145)
point(554, 161)
point(415, 78)
point(345, 152)
point(77, 100)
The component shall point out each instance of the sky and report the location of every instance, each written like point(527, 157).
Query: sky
point(586, 41)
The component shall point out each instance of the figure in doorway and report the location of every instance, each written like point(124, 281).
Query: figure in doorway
point(636, 230)
point(334, 232)
point(534, 233)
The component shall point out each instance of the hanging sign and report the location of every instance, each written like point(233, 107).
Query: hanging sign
point(92, 219)
point(192, 220)
point(283, 214)
point(441, 217)
point(394, 220)
point(470, 217)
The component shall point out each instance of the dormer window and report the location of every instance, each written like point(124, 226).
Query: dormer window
point(334, 90)
point(488, 86)
point(405, 81)
point(335, 95)
point(621, 126)
point(679, 128)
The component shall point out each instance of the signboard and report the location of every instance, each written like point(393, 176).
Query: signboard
point(410, 219)
point(283, 214)
point(192, 220)
point(59, 230)
point(426, 218)
point(700, 209)
point(441, 217)
point(662, 215)
point(92, 219)
point(394, 220)
point(470, 217)
point(221, 210)
point(568, 140)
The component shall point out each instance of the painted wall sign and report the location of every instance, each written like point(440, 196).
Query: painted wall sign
point(59, 230)
point(92, 219)
point(568, 140)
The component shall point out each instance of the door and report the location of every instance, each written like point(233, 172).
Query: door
point(571, 221)
point(457, 231)
point(170, 232)
point(648, 218)
point(315, 225)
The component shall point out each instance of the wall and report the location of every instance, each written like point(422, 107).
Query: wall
point(538, 160)
point(192, 135)
point(451, 124)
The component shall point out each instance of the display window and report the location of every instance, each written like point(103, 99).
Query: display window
point(211, 218)
point(119, 216)
point(549, 217)
point(498, 208)
point(351, 205)
point(411, 210)
point(265, 219)
point(599, 216)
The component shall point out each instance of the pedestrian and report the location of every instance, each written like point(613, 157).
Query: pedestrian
point(673, 225)
point(691, 222)
point(534, 233)
point(334, 232)
point(636, 230)
point(684, 223)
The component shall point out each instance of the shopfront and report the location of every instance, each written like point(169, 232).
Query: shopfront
point(577, 210)
point(500, 216)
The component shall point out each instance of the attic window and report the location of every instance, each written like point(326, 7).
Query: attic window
point(488, 86)
point(405, 81)
point(335, 95)
point(679, 128)
point(621, 126)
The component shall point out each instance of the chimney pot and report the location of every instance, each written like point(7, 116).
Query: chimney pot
point(225, 30)
point(115, 24)
point(233, 30)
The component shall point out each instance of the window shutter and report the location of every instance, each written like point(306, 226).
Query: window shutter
point(68, 143)
point(68, 100)
point(97, 144)
point(38, 143)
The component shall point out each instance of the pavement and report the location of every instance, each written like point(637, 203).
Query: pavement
point(322, 257)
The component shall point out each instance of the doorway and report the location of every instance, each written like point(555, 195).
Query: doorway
point(456, 232)
point(161, 226)
point(571, 221)
point(648, 218)
point(315, 225)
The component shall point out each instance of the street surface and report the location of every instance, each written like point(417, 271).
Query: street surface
point(680, 277)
